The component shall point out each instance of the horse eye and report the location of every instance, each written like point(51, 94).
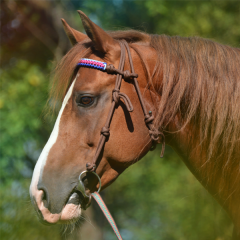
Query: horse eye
point(85, 101)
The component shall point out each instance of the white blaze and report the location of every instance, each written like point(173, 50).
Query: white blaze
point(53, 137)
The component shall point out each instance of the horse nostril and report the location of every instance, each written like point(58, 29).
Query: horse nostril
point(45, 198)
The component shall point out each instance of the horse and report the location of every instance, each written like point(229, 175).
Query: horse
point(185, 92)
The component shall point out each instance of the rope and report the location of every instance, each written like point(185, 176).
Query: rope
point(107, 214)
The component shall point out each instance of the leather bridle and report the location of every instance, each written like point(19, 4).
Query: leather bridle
point(116, 96)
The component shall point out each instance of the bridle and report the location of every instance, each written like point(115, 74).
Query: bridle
point(116, 96)
point(105, 132)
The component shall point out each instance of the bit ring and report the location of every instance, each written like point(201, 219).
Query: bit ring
point(81, 186)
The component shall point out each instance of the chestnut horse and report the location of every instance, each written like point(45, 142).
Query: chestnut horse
point(192, 87)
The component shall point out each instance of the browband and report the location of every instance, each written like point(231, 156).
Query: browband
point(86, 62)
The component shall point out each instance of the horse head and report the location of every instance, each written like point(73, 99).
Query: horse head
point(87, 102)
point(191, 87)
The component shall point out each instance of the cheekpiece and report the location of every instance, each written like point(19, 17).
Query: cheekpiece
point(86, 62)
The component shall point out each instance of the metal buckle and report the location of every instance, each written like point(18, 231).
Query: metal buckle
point(81, 186)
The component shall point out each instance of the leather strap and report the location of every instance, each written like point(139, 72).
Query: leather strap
point(149, 118)
point(153, 131)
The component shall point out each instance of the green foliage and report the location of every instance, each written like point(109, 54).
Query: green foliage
point(24, 93)
point(24, 90)
point(18, 219)
point(154, 199)
point(209, 19)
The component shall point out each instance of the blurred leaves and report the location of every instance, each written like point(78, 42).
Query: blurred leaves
point(18, 219)
point(153, 199)
point(24, 91)
point(218, 20)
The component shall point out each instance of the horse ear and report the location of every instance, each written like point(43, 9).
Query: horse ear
point(102, 41)
point(73, 35)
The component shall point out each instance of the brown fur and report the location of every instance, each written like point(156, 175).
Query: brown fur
point(198, 77)
point(196, 82)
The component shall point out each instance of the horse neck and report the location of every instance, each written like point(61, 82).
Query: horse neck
point(219, 174)
point(220, 177)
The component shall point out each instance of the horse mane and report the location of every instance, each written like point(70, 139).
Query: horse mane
point(196, 77)
point(201, 81)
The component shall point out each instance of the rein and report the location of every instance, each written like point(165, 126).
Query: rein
point(105, 132)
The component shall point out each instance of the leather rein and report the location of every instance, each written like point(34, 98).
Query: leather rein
point(116, 96)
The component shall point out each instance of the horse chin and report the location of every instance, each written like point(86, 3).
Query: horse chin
point(70, 213)
point(72, 210)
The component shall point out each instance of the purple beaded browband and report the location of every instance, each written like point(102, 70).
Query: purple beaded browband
point(85, 62)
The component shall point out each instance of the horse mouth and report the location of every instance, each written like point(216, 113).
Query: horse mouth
point(72, 210)
point(70, 213)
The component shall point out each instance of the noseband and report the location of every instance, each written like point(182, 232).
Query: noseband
point(116, 96)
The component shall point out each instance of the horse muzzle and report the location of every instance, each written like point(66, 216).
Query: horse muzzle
point(70, 212)
point(78, 200)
